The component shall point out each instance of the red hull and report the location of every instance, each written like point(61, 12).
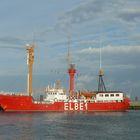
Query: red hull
point(25, 103)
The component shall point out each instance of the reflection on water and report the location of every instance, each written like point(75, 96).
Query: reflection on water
point(72, 125)
point(110, 113)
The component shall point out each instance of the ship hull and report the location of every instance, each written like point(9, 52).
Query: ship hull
point(18, 103)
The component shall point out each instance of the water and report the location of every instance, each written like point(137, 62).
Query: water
point(70, 126)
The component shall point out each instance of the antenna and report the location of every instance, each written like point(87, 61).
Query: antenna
point(100, 58)
point(101, 71)
point(69, 55)
point(101, 85)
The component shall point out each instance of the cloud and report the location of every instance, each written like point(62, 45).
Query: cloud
point(113, 57)
point(11, 40)
point(85, 78)
point(89, 10)
point(122, 66)
point(85, 12)
point(94, 15)
point(112, 50)
point(130, 15)
point(83, 81)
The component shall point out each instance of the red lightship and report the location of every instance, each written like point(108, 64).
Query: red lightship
point(55, 99)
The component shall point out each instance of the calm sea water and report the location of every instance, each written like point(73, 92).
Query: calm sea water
point(70, 126)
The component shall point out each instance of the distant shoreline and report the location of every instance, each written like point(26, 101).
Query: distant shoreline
point(135, 105)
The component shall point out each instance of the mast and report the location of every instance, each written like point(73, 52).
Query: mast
point(71, 71)
point(101, 85)
point(30, 61)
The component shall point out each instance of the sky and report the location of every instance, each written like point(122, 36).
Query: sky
point(83, 25)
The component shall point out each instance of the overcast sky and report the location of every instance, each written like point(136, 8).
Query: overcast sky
point(112, 25)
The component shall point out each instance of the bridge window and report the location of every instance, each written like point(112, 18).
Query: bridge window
point(106, 95)
point(112, 95)
point(101, 95)
point(117, 95)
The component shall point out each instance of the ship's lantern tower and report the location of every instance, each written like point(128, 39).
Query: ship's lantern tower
point(30, 61)
point(71, 72)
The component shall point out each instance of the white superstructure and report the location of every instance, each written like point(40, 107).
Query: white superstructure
point(54, 94)
point(109, 97)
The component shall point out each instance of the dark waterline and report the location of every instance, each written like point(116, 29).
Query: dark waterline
point(70, 126)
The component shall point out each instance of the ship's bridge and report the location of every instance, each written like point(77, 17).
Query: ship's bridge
point(55, 94)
